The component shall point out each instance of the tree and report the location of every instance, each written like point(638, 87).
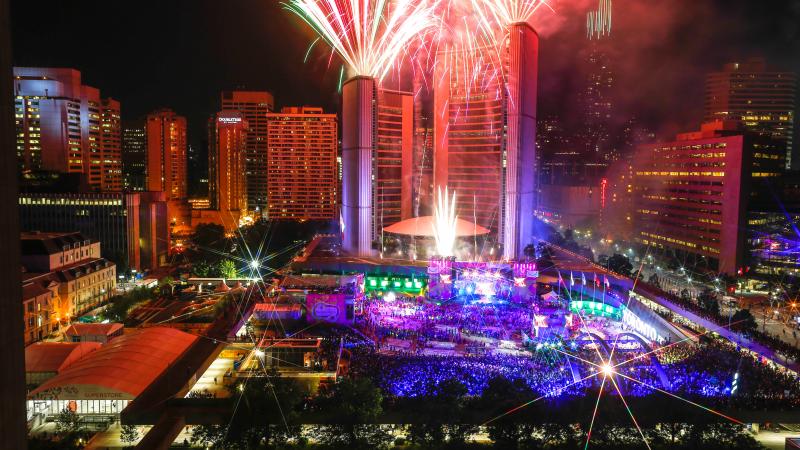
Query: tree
point(619, 264)
point(226, 269)
point(353, 405)
point(129, 434)
point(742, 320)
point(529, 251)
point(708, 302)
point(68, 422)
point(209, 436)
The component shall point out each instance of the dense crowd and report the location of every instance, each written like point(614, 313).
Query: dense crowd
point(414, 375)
point(409, 319)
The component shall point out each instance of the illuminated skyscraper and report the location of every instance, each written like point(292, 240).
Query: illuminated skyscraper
point(254, 107)
point(484, 138)
point(110, 146)
point(302, 169)
point(134, 155)
point(64, 126)
point(227, 188)
point(166, 159)
point(596, 100)
point(762, 100)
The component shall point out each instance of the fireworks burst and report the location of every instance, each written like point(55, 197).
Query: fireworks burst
point(494, 14)
point(369, 35)
point(444, 225)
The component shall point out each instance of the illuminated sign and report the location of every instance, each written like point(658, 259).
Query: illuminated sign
point(229, 119)
point(630, 319)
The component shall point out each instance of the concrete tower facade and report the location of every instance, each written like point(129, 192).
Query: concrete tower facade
point(521, 86)
point(359, 98)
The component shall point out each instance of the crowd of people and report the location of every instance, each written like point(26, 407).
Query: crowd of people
point(409, 375)
point(451, 322)
point(775, 343)
point(702, 371)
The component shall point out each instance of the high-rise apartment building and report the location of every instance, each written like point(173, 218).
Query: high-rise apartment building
point(166, 160)
point(254, 106)
point(692, 196)
point(763, 100)
point(484, 136)
point(393, 159)
point(302, 173)
point(134, 155)
point(60, 126)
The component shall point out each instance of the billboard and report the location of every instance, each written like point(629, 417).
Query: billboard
point(331, 308)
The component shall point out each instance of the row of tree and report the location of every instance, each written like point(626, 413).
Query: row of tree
point(348, 414)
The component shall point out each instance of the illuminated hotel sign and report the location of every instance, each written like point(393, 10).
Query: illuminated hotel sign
point(229, 119)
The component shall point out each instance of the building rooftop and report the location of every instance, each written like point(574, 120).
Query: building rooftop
point(123, 368)
point(44, 243)
point(56, 356)
point(85, 329)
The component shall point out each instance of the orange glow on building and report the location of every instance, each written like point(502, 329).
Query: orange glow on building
point(226, 163)
point(166, 159)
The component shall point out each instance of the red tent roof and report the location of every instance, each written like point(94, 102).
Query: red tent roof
point(128, 364)
point(56, 356)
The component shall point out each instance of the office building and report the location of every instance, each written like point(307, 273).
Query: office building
point(226, 163)
point(110, 146)
point(692, 195)
point(484, 137)
point(132, 226)
point(134, 155)
point(63, 276)
point(166, 161)
point(302, 171)
point(227, 189)
point(65, 126)
point(254, 107)
point(762, 99)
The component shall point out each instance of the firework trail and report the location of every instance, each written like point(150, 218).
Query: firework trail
point(369, 35)
point(598, 23)
point(445, 222)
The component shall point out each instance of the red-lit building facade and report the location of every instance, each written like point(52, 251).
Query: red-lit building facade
point(65, 126)
point(692, 196)
point(166, 160)
point(484, 135)
point(393, 159)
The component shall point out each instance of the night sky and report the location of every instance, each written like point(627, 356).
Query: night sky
point(182, 53)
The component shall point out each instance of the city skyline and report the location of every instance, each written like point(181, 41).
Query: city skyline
point(732, 31)
point(401, 224)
